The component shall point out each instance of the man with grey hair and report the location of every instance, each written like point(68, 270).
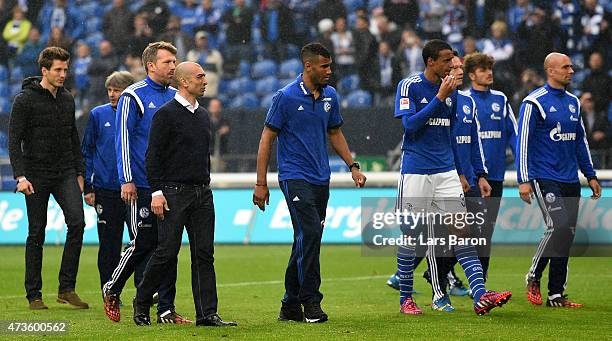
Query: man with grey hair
point(102, 189)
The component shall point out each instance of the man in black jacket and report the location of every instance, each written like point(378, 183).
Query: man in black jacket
point(178, 170)
point(44, 149)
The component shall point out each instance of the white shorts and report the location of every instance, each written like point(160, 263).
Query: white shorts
point(441, 192)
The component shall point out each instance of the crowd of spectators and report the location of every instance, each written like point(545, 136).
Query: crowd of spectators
point(250, 47)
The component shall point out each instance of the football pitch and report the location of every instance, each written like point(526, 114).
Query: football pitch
point(359, 304)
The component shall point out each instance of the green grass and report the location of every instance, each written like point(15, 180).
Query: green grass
point(359, 304)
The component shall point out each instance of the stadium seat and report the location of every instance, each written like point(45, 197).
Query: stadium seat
point(93, 25)
point(16, 75)
point(3, 140)
point(241, 85)
point(263, 68)
point(5, 105)
point(246, 101)
point(374, 3)
point(266, 101)
point(293, 50)
point(336, 164)
point(348, 84)
point(290, 68)
point(91, 9)
point(4, 89)
point(353, 5)
point(93, 40)
point(266, 86)
point(244, 69)
point(358, 99)
point(15, 88)
point(4, 74)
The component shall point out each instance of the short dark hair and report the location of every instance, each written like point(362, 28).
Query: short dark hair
point(51, 53)
point(477, 60)
point(312, 50)
point(119, 79)
point(150, 52)
point(432, 49)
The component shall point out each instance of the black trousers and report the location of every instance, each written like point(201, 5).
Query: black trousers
point(112, 215)
point(66, 191)
point(143, 225)
point(307, 205)
point(191, 207)
point(559, 204)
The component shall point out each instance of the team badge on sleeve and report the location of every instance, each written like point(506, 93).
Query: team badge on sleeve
point(404, 103)
point(326, 106)
point(572, 108)
point(466, 109)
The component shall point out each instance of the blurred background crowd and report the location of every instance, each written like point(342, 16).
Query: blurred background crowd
point(251, 48)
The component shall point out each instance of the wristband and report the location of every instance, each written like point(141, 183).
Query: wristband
point(262, 185)
point(594, 177)
point(22, 179)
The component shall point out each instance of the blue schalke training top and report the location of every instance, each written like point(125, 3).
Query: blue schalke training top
point(428, 146)
point(465, 132)
point(552, 143)
point(137, 105)
point(302, 123)
point(99, 149)
point(497, 129)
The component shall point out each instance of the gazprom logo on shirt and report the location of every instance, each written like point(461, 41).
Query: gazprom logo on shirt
point(464, 139)
point(491, 134)
point(436, 121)
point(556, 134)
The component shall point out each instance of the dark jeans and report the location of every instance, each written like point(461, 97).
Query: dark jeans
point(143, 225)
point(66, 191)
point(112, 214)
point(192, 207)
point(307, 204)
point(559, 203)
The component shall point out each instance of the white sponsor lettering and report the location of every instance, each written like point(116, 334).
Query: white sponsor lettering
point(436, 121)
point(556, 134)
point(464, 139)
point(491, 134)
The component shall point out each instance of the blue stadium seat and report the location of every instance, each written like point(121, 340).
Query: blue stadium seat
point(374, 3)
point(4, 89)
point(244, 69)
point(263, 68)
point(4, 74)
point(5, 105)
point(246, 101)
point(14, 89)
point(16, 75)
point(348, 84)
point(91, 9)
point(290, 68)
point(266, 86)
point(293, 50)
point(352, 5)
point(336, 164)
point(93, 25)
point(93, 40)
point(3, 140)
point(238, 86)
point(358, 99)
point(266, 101)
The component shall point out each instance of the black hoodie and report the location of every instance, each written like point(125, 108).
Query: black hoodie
point(43, 139)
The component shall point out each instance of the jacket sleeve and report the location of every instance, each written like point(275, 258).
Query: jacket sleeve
point(126, 118)
point(17, 132)
point(511, 128)
point(155, 154)
point(88, 149)
point(526, 124)
point(478, 159)
point(585, 163)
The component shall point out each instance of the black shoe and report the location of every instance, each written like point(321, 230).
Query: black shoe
point(313, 313)
point(215, 321)
point(291, 312)
point(141, 315)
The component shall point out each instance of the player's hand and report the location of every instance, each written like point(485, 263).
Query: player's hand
point(159, 205)
point(90, 198)
point(358, 178)
point(465, 185)
point(25, 187)
point(485, 188)
point(128, 192)
point(261, 196)
point(81, 182)
point(448, 86)
point(596, 188)
point(526, 192)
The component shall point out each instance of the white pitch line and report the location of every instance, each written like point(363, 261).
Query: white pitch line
point(233, 285)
